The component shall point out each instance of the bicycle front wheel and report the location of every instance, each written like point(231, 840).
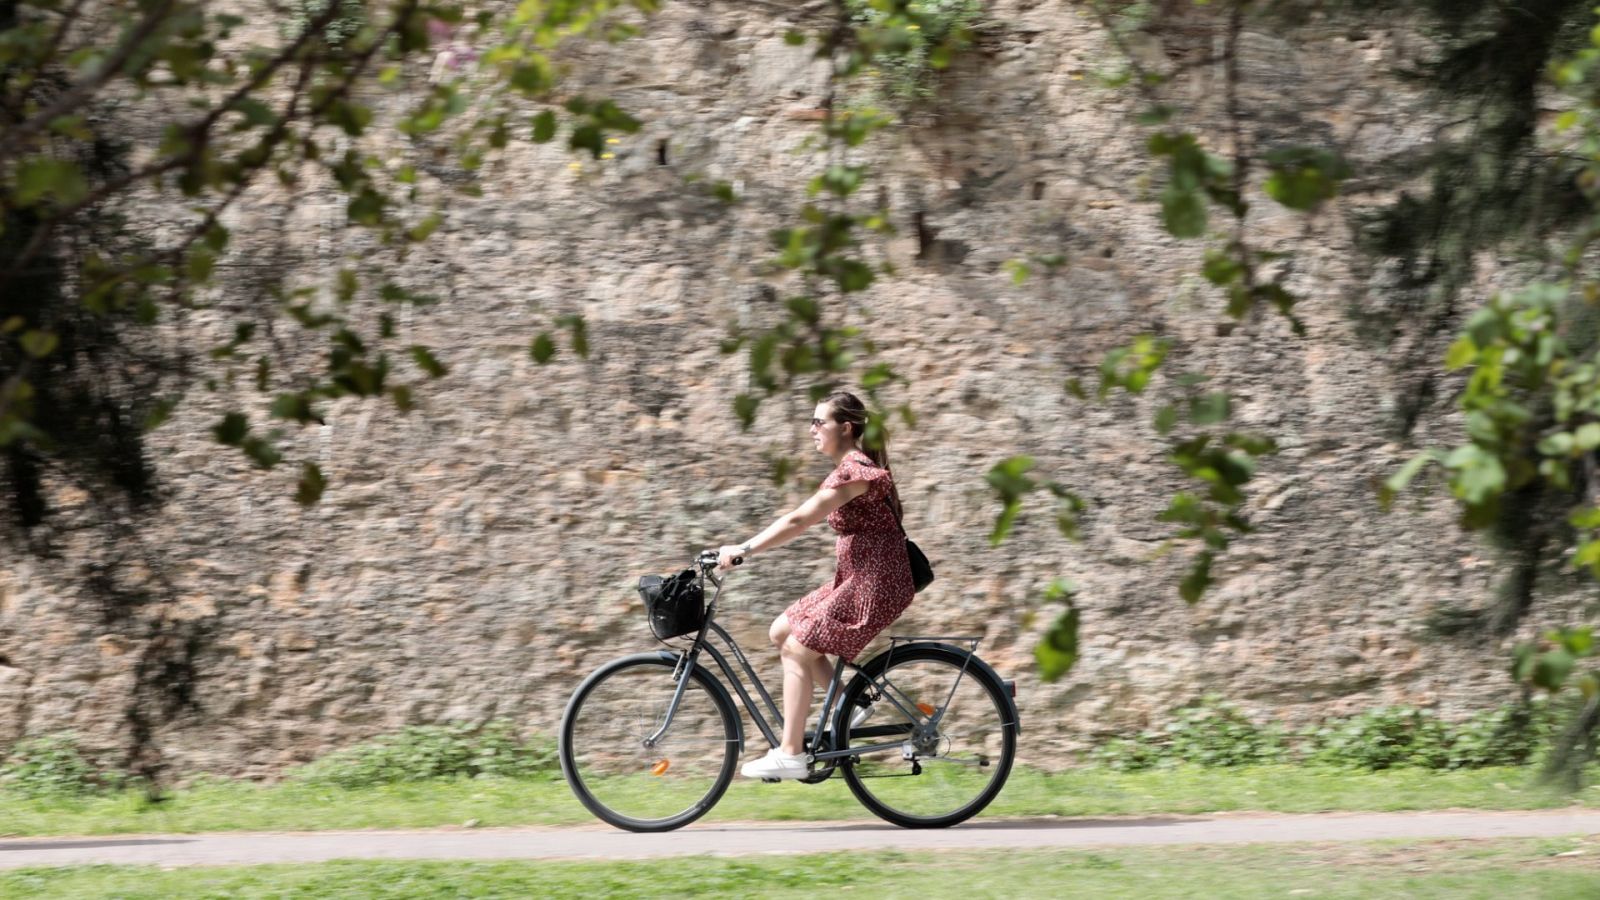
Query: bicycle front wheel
point(628, 764)
point(935, 748)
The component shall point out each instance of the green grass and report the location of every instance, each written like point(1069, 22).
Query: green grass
point(1443, 869)
point(236, 806)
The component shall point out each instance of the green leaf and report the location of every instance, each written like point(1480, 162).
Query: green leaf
point(1183, 213)
point(544, 127)
point(349, 283)
point(588, 137)
point(533, 77)
point(1587, 437)
point(312, 485)
point(1302, 178)
point(39, 344)
point(1210, 409)
point(1398, 482)
point(1558, 444)
point(1480, 476)
point(1194, 584)
point(842, 180)
point(542, 349)
point(427, 362)
point(804, 309)
point(1057, 650)
point(580, 333)
point(1060, 589)
point(852, 275)
point(1004, 522)
point(295, 407)
point(794, 38)
point(1009, 476)
point(41, 177)
point(1464, 352)
point(232, 429)
point(1158, 114)
point(877, 376)
point(1166, 418)
point(261, 452)
point(159, 413)
point(1550, 669)
point(608, 115)
point(425, 229)
point(744, 406)
point(1221, 269)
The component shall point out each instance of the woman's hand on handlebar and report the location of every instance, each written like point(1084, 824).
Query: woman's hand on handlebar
point(729, 555)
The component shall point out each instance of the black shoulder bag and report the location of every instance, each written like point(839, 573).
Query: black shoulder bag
point(921, 569)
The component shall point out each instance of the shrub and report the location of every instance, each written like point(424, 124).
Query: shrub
point(1129, 754)
point(1382, 738)
point(424, 752)
point(51, 766)
point(1511, 735)
point(1217, 734)
point(1212, 733)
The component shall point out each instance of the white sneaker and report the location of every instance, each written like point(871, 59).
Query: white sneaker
point(776, 764)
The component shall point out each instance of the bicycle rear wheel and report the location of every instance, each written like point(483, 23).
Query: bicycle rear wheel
point(624, 778)
point(957, 764)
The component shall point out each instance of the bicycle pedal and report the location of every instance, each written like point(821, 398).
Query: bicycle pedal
point(771, 780)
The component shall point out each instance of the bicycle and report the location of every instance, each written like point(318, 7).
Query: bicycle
point(649, 742)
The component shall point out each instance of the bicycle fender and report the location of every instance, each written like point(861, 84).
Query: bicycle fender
point(977, 666)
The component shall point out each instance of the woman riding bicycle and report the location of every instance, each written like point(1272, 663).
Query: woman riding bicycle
point(870, 589)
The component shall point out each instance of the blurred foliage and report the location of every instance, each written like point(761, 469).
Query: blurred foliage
point(425, 752)
point(53, 766)
point(82, 373)
point(1217, 734)
point(1531, 403)
point(909, 57)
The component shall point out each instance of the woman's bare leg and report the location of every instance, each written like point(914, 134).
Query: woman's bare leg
point(821, 666)
point(798, 664)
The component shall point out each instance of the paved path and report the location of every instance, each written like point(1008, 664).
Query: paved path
point(737, 838)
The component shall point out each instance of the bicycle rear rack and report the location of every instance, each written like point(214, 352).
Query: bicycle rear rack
point(938, 639)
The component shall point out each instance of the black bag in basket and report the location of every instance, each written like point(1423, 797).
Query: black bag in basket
point(675, 605)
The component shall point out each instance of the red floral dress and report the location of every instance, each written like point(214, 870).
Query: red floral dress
point(872, 586)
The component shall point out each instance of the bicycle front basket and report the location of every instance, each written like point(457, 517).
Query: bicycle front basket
point(675, 605)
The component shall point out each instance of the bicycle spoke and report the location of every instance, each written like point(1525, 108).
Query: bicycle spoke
point(633, 785)
point(959, 746)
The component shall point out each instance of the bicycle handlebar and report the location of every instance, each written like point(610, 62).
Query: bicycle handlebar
point(707, 560)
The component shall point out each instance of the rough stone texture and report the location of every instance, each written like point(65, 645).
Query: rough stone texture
point(475, 559)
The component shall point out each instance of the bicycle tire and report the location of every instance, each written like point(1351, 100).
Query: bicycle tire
point(591, 785)
point(988, 686)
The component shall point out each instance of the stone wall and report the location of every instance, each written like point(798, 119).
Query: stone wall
point(475, 558)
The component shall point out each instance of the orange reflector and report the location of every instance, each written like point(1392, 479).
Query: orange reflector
point(926, 709)
point(660, 768)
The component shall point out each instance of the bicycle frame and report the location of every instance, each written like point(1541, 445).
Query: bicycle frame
point(689, 658)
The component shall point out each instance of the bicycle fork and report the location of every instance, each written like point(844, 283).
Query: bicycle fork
point(681, 673)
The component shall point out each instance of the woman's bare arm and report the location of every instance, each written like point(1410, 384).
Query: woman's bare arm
point(790, 525)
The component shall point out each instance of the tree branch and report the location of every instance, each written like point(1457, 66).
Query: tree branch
point(83, 90)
